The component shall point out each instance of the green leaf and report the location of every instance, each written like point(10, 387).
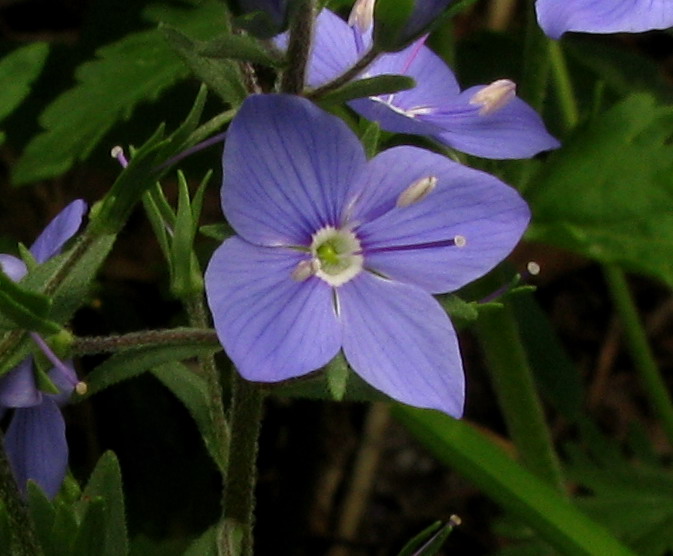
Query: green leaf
point(130, 363)
point(26, 309)
point(42, 513)
point(205, 545)
point(369, 87)
point(239, 47)
point(192, 391)
point(88, 540)
point(220, 232)
point(337, 373)
point(135, 69)
point(105, 484)
point(429, 541)
point(17, 72)
point(607, 193)
point(219, 74)
point(518, 491)
point(390, 19)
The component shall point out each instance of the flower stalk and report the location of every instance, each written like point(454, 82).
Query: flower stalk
point(299, 47)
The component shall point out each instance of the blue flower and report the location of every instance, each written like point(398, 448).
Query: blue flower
point(35, 439)
point(485, 120)
point(603, 16)
point(337, 252)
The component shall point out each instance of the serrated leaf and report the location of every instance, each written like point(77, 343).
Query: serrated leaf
point(105, 483)
point(192, 391)
point(607, 193)
point(17, 72)
point(135, 69)
point(132, 362)
point(369, 87)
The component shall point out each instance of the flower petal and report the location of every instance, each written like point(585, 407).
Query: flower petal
point(36, 446)
point(398, 339)
point(13, 267)
point(513, 131)
point(64, 225)
point(271, 326)
point(18, 388)
point(603, 16)
point(287, 168)
point(490, 215)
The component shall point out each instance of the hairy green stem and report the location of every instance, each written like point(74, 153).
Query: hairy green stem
point(299, 47)
point(514, 386)
point(239, 494)
point(89, 345)
point(22, 538)
point(639, 347)
point(345, 77)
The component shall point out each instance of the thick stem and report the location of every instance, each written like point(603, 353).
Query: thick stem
point(23, 540)
point(639, 347)
point(514, 386)
point(107, 344)
point(239, 494)
point(299, 47)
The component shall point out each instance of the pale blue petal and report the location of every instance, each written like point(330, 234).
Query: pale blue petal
point(287, 168)
point(65, 380)
point(36, 446)
point(490, 215)
point(603, 16)
point(399, 340)
point(513, 131)
point(18, 388)
point(13, 267)
point(271, 326)
point(64, 225)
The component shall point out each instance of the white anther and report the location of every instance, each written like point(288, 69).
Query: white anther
point(495, 96)
point(362, 15)
point(116, 151)
point(305, 269)
point(81, 388)
point(460, 241)
point(417, 191)
point(533, 268)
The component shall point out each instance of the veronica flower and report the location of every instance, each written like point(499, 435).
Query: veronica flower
point(35, 439)
point(485, 120)
point(337, 252)
point(603, 16)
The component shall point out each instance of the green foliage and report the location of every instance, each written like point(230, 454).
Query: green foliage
point(607, 193)
point(429, 541)
point(24, 308)
point(390, 19)
point(369, 87)
point(134, 69)
point(18, 70)
point(537, 504)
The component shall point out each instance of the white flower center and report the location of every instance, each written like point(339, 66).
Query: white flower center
point(336, 257)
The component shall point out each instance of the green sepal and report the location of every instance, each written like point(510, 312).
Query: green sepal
point(337, 373)
point(222, 76)
point(27, 309)
point(458, 308)
point(390, 20)
point(429, 541)
point(220, 232)
point(369, 87)
point(42, 381)
point(42, 512)
point(88, 540)
point(370, 137)
point(27, 257)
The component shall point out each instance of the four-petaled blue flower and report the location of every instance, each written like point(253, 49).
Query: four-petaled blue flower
point(603, 16)
point(337, 252)
point(35, 439)
point(486, 120)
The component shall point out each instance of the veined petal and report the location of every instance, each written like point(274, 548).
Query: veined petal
point(513, 131)
point(271, 326)
point(36, 446)
point(399, 340)
point(64, 225)
point(490, 215)
point(13, 267)
point(287, 168)
point(603, 16)
point(18, 388)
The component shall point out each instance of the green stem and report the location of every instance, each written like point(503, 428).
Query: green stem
point(23, 540)
point(107, 344)
point(299, 47)
point(347, 76)
point(639, 347)
point(563, 85)
point(239, 494)
point(515, 388)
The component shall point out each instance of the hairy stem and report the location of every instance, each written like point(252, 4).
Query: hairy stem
point(299, 47)
point(107, 344)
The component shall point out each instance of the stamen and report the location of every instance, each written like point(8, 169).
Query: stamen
point(305, 269)
point(65, 370)
point(81, 388)
point(417, 191)
point(362, 15)
point(118, 153)
point(495, 96)
point(532, 269)
point(456, 241)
